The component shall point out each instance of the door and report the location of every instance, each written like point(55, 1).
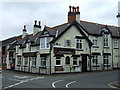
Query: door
point(84, 63)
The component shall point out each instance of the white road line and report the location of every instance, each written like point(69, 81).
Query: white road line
point(70, 83)
point(53, 84)
point(23, 81)
point(14, 79)
point(20, 77)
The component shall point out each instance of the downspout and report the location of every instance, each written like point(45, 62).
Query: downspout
point(50, 56)
point(112, 53)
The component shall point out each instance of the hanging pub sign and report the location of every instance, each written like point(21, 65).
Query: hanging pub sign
point(64, 51)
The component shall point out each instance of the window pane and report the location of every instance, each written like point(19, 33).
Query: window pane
point(67, 60)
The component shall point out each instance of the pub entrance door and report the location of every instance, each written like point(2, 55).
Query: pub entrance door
point(84, 63)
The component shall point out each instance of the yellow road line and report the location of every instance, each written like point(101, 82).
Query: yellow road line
point(110, 85)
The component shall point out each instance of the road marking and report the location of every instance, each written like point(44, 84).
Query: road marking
point(53, 84)
point(70, 83)
point(23, 81)
point(14, 79)
point(110, 85)
point(21, 77)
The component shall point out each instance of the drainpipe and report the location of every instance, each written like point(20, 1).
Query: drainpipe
point(50, 57)
point(112, 53)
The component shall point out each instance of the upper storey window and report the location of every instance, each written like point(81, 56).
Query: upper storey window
point(106, 40)
point(95, 41)
point(115, 43)
point(44, 43)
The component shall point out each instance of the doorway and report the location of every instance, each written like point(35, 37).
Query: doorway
point(84, 63)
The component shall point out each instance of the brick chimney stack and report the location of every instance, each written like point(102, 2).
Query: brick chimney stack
point(24, 32)
point(36, 27)
point(73, 14)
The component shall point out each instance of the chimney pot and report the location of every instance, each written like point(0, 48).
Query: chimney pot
point(35, 22)
point(39, 23)
point(77, 9)
point(73, 8)
point(69, 8)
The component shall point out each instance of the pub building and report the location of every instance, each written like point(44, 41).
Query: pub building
point(75, 46)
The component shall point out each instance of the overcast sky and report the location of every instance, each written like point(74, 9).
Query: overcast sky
point(13, 15)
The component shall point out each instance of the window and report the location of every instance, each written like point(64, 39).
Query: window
point(17, 49)
point(26, 61)
point(58, 61)
point(44, 43)
point(75, 61)
point(79, 44)
point(105, 58)
point(115, 42)
point(94, 60)
point(106, 44)
point(19, 60)
point(94, 41)
point(43, 61)
point(33, 61)
point(67, 60)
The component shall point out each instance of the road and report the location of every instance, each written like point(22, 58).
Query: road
point(80, 80)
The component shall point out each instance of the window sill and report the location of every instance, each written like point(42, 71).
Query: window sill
point(116, 48)
point(33, 66)
point(25, 66)
point(95, 46)
point(42, 67)
point(106, 65)
point(58, 65)
point(80, 49)
point(106, 47)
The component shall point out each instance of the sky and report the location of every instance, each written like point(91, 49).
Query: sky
point(16, 13)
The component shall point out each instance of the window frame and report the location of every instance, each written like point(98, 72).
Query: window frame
point(79, 44)
point(43, 61)
point(95, 41)
point(58, 59)
point(106, 57)
point(25, 61)
point(19, 60)
point(75, 60)
point(115, 43)
point(106, 40)
point(95, 60)
point(34, 59)
point(67, 62)
point(45, 43)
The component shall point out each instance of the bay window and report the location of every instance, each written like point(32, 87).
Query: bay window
point(44, 43)
point(106, 60)
point(19, 60)
point(26, 61)
point(74, 60)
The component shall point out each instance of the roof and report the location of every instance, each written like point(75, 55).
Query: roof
point(10, 40)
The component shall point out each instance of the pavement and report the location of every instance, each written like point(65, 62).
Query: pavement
point(13, 79)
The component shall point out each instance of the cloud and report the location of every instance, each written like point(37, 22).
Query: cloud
point(15, 14)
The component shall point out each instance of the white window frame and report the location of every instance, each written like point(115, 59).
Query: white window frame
point(106, 59)
point(43, 61)
point(95, 41)
point(106, 40)
point(58, 59)
point(33, 61)
point(44, 43)
point(115, 43)
point(25, 60)
point(74, 60)
point(80, 42)
point(19, 60)
point(95, 60)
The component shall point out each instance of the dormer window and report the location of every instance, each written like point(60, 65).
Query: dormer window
point(94, 41)
point(44, 43)
point(106, 40)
